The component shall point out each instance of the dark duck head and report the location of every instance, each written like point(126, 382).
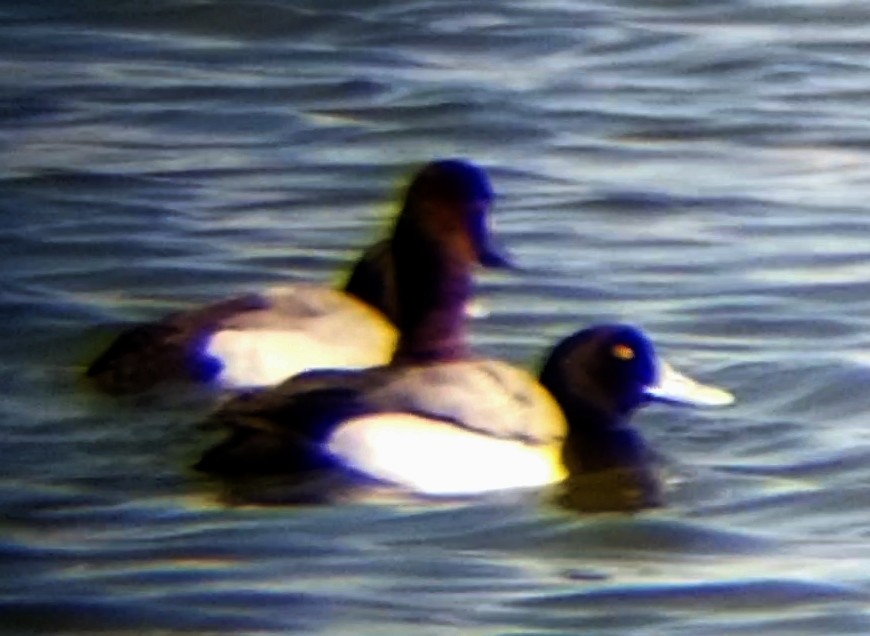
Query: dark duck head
point(440, 235)
point(599, 377)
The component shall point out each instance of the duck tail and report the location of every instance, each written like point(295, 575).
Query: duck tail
point(254, 450)
point(139, 358)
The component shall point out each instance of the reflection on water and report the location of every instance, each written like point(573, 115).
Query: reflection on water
point(698, 169)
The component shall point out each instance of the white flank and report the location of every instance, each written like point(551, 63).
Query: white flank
point(263, 357)
point(303, 327)
point(435, 458)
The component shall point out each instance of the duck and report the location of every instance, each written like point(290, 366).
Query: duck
point(260, 339)
point(468, 427)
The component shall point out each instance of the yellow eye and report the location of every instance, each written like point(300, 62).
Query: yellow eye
point(622, 351)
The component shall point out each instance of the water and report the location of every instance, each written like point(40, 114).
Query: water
point(697, 168)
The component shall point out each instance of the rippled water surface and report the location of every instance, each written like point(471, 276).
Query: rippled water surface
point(699, 168)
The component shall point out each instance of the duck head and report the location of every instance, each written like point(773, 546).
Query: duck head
point(600, 376)
point(448, 203)
point(440, 235)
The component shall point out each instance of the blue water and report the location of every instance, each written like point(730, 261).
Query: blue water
point(699, 168)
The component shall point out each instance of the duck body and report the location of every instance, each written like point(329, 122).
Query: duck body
point(452, 428)
point(253, 340)
point(471, 426)
point(261, 339)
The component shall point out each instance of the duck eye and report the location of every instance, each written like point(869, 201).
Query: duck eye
point(622, 352)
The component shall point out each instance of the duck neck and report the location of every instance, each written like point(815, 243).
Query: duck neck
point(609, 466)
point(433, 286)
point(599, 440)
point(373, 281)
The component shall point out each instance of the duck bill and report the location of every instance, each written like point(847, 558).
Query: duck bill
point(495, 257)
point(489, 253)
point(674, 387)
